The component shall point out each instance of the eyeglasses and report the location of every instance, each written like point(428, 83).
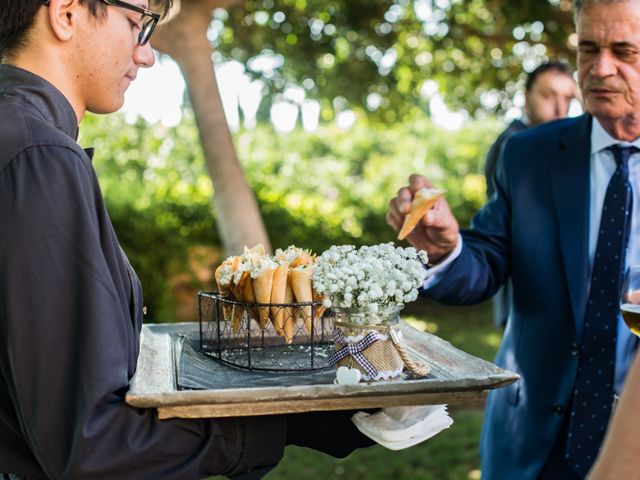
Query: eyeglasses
point(147, 27)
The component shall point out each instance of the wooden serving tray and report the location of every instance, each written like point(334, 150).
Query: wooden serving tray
point(456, 377)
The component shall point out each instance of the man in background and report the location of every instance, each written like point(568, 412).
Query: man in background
point(549, 90)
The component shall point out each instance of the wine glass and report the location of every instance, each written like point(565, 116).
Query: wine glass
point(630, 298)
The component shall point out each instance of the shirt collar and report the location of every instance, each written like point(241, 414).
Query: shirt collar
point(47, 100)
point(600, 138)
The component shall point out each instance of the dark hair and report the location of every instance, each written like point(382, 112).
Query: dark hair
point(559, 67)
point(17, 17)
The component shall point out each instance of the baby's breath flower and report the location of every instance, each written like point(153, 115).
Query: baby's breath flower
point(369, 277)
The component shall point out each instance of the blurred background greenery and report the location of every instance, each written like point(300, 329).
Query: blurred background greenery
point(314, 189)
point(385, 62)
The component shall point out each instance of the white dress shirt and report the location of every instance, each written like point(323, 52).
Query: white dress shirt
point(602, 167)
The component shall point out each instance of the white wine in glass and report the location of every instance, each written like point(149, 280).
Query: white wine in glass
point(630, 299)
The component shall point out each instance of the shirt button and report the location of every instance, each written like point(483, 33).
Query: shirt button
point(574, 348)
point(557, 409)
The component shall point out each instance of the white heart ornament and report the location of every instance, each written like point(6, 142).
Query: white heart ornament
point(348, 376)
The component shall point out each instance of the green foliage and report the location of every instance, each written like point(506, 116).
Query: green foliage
point(314, 189)
point(334, 186)
point(345, 50)
point(158, 196)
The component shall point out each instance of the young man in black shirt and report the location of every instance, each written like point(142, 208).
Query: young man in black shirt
point(70, 303)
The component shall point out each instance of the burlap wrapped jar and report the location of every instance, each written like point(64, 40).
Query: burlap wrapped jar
point(367, 333)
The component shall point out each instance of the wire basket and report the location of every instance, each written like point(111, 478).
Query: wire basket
point(252, 335)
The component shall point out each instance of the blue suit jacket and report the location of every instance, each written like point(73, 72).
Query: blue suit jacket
point(536, 230)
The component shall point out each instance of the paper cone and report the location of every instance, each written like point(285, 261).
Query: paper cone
point(257, 250)
point(278, 295)
point(319, 309)
point(223, 289)
point(243, 291)
point(262, 287)
point(289, 320)
point(248, 294)
point(301, 286)
point(424, 199)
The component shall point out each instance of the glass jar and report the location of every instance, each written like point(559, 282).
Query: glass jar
point(379, 360)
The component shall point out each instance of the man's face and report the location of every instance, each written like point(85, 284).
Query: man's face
point(109, 57)
point(609, 59)
point(549, 97)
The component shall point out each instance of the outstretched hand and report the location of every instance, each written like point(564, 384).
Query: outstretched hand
point(437, 232)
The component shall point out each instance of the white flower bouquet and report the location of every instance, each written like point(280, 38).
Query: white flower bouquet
point(369, 277)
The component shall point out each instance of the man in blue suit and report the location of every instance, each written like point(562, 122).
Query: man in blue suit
point(559, 226)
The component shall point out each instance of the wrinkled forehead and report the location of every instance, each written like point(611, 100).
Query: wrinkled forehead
point(609, 22)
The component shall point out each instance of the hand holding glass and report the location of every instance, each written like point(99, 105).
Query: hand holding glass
point(630, 298)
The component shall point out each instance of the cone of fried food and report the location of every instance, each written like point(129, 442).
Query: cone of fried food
point(223, 276)
point(289, 316)
point(423, 200)
point(279, 295)
point(302, 290)
point(255, 277)
point(300, 269)
point(262, 275)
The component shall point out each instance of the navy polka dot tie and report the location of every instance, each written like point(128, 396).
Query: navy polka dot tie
point(593, 393)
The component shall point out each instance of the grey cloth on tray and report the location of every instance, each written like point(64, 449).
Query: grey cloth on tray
point(198, 371)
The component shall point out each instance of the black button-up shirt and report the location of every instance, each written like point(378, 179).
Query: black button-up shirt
point(70, 318)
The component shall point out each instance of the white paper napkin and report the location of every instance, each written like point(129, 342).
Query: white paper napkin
point(401, 427)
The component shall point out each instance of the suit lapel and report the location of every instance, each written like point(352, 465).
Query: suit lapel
point(571, 191)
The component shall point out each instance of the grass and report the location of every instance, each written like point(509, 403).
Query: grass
point(450, 455)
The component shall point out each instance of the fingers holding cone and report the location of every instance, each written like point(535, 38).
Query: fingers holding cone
point(423, 200)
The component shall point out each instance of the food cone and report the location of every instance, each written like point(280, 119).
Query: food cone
point(424, 199)
point(240, 290)
point(235, 289)
point(278, 295)
point(301, 286)
point(222, 288)
point(247, 293)
point(258, 250)
point(319, 309)
point(262, 287)
point(303, 258)
point(289, 320)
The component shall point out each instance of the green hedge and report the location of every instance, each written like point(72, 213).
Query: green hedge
point(314, 189)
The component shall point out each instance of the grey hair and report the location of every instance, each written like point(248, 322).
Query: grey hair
point(578, 4)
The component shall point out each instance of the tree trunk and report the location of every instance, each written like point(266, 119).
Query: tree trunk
point(184, 39)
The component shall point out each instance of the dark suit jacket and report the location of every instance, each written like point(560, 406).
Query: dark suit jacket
point(535, 230)
point(494, 152)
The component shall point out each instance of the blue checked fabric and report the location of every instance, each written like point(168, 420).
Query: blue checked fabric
point(593, 393)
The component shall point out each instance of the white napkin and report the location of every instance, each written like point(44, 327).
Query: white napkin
point(401, 427)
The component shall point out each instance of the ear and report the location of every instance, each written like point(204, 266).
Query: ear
point(63, 17)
